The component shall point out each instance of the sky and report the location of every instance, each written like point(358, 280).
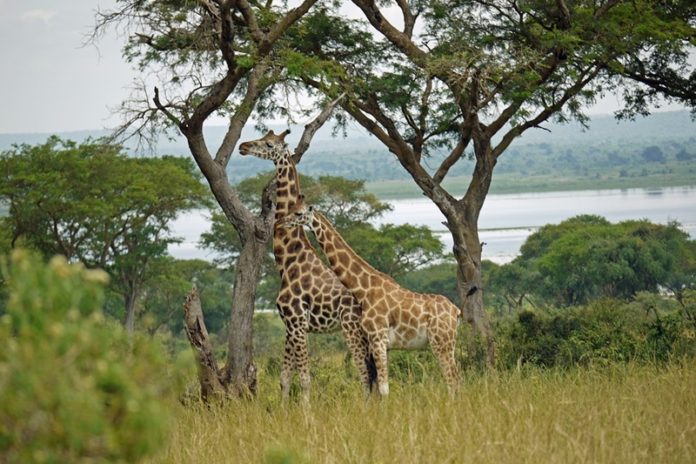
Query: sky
point(51, 82)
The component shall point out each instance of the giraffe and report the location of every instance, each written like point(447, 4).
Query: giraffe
point(393, 317)
point(311, 298)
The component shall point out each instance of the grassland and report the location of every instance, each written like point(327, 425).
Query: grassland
point(617, 414)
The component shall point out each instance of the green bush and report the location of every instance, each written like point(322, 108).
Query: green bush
point(73, 385)
point(649, 328)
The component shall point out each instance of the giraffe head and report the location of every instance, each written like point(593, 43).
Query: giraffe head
point(300, 214)
point(270, 146)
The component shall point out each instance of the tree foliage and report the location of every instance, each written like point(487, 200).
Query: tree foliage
point(94, 204)
point(586, 257)
point(470, 76)
point(606, 331)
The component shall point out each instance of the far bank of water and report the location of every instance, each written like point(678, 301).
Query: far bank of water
point(508, 219)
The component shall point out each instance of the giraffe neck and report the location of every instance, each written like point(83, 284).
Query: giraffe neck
point(288, 185)
point(287, 243)
point(349, 267)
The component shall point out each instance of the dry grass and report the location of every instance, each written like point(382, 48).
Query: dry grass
point(617, 414)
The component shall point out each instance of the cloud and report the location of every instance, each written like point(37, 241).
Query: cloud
point(37, 15)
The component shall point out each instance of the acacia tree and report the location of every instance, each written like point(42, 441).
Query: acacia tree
point(458, 80)
point(94, 204)
point(225, 58)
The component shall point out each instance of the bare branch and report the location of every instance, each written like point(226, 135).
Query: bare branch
point(606, 6)
point(454, 156)
point(211, 9)
point(313, 127)
point(546, 113)
point(208, 372)
point(409, 18)
point(163, 109)
point(227, 36)
point(288, 20)
point(250, 19)
point(240, 117)
point(545, 71)
point(393, 140)
point(399, 39)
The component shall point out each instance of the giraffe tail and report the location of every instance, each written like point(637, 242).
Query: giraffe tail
point(371, 371)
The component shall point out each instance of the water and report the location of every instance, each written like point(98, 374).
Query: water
point(507, 220)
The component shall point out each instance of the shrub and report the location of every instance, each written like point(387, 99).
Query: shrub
point(73, 385)
point(603, 332)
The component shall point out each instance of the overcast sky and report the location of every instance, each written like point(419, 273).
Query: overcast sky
point(51, 82)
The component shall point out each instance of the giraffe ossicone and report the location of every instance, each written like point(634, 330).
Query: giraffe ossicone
point(311, 298)
point(393, 317)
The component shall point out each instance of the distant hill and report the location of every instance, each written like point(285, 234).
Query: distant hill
point(361, 156)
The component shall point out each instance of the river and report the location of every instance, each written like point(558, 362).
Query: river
point(507, 220)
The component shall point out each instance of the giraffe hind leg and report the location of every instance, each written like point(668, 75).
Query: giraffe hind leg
point(371, 371)
point(378, 345)
point(444, 352)
point(358, 346)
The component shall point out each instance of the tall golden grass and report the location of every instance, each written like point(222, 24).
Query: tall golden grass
point(617, 414)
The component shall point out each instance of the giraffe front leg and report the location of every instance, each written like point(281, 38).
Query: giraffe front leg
point(288, 367)
point(302, 362)
point(296, 356)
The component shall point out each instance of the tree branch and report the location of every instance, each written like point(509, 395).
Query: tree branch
point(250, 19)
point(454, 156)
point(208, 372)
point(240, 117)
point(163, 109)
point(569, 93)
point(397, 38)
point(313, 127)
point(409, 18)
point(288, 20)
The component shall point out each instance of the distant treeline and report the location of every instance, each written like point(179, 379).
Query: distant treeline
point(661, 146)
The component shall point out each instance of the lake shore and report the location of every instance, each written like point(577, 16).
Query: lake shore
point(506, 219)
point(508, 184)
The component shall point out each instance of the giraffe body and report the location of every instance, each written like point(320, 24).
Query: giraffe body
point(311, 299)
point(393, 317)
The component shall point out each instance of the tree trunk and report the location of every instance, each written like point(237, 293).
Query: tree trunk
point(131, 300)
point(240, 373)
point(209, 374)
point(467, 252)
point(238, 377)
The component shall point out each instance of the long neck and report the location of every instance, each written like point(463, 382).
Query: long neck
point(287, 243)
point(288, 186)
point(351, 269)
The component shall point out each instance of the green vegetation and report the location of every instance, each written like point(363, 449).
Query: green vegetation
point(92, 203)
point(586, 257)
point(73, 386)
point(589, 320)
point(620, 414)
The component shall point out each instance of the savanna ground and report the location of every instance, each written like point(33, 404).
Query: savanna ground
point(618, 413)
